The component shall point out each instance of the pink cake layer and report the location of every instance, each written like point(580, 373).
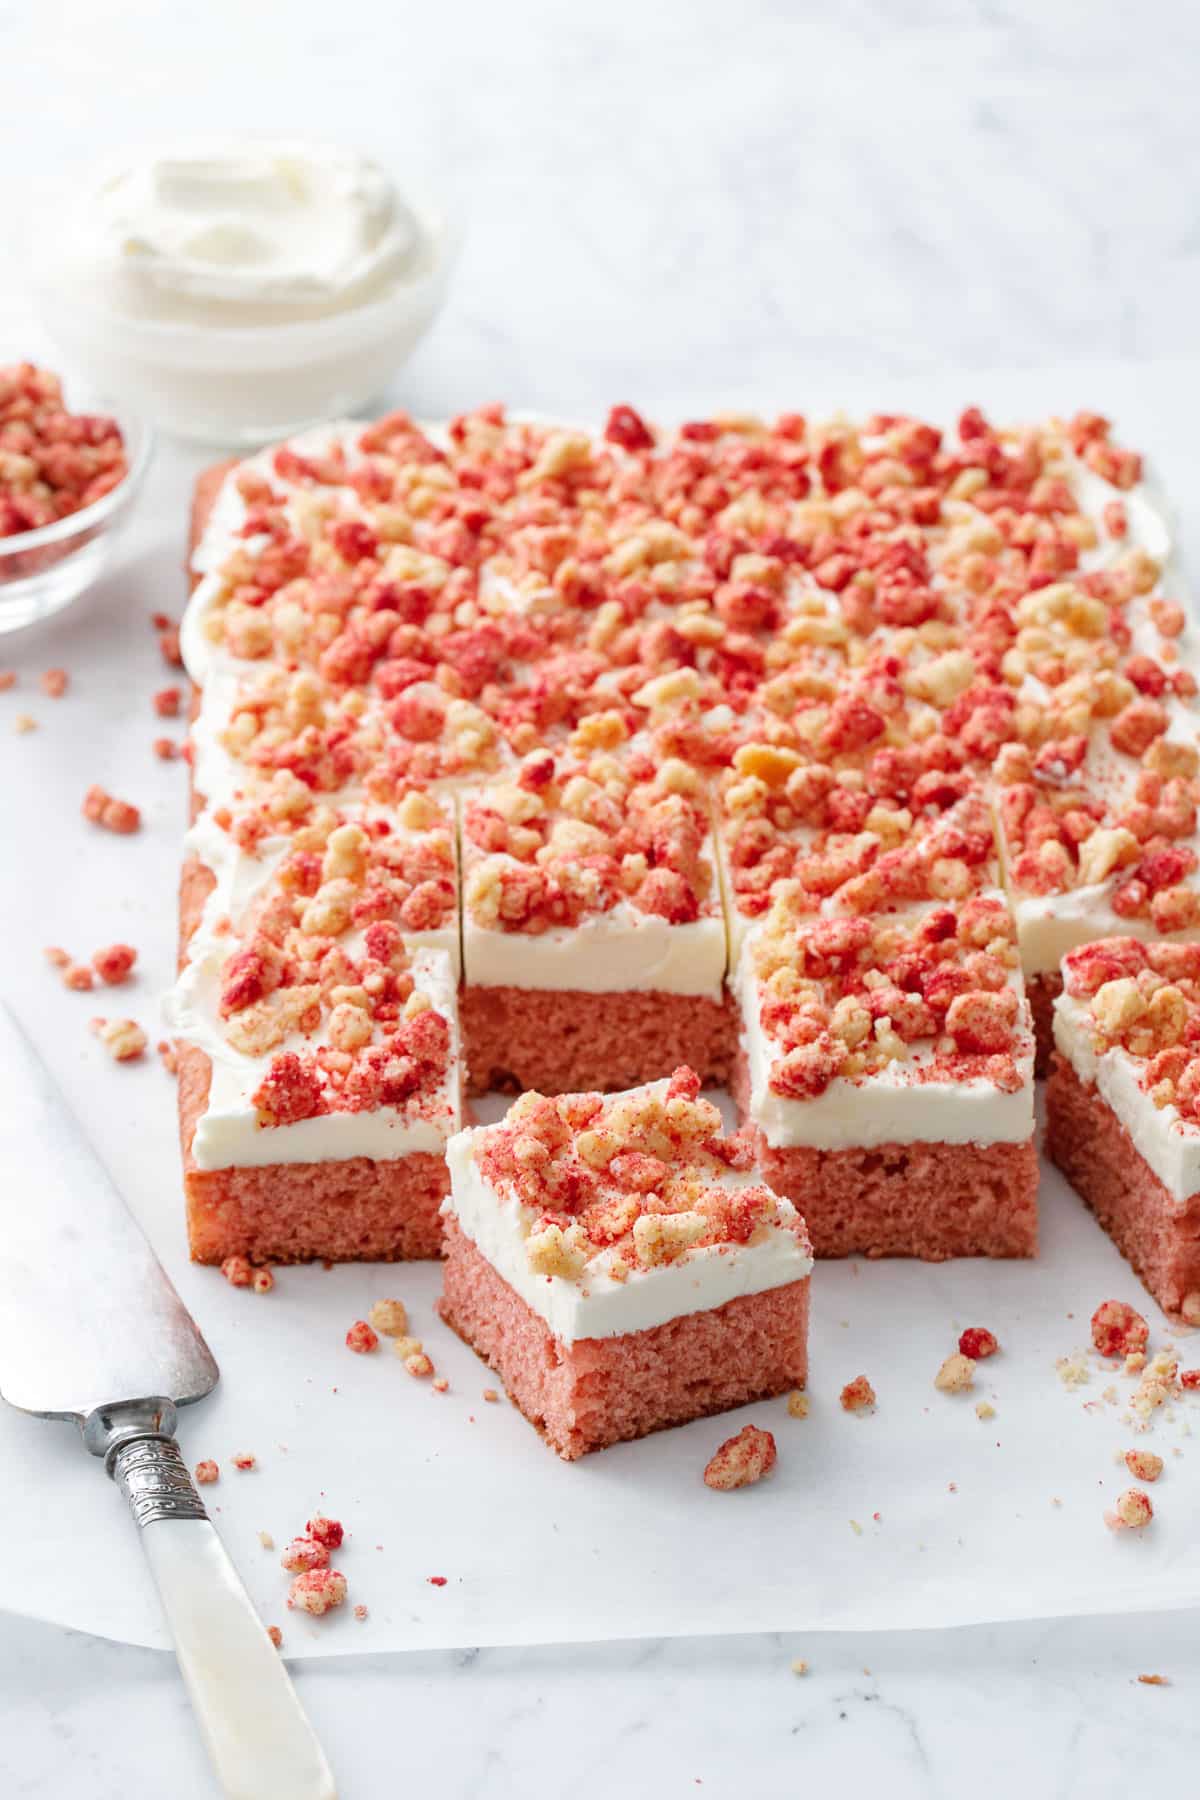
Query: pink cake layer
point(599, 1391)
point(934, 1201)
point(353, 1211)
point(1042, 992)
point(1095, 1152)
point(570, 1042)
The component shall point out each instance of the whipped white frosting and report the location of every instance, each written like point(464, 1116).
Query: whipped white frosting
point(247, 231)
point(1168, 1143)
point(597, 1306)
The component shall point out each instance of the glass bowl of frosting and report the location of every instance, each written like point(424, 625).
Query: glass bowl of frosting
point(236, 289)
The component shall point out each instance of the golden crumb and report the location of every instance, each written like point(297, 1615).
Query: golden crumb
point(956, 1374)
point(984, 1409)
point(389, 1318)
point(1073, 1370)
point(266, 1540)
point(1143, 1464)
point(1154, 1680)
point(797, 1404)
point(800, 1667)
point(491, 1396)
point(23, 723)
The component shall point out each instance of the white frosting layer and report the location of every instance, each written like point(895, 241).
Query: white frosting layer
point(597, 1306)
point(620, 951)
point(247, 231)
point(1169, 1144)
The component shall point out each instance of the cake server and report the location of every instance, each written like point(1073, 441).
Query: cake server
point(92, 1331)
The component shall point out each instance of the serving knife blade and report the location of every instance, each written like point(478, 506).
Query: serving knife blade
point(91, 1330)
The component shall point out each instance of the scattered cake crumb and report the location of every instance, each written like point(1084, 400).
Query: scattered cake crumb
point(361, 1339)
point(24, 723)
point(858, 1396)
point(1073, 1370)
point(262, 1281)
point(799, 1666)
point(491, 1396)
point(8, 679)
point(797, 1404)
point(441, 1385)
point(113, 815)
point(79, 978)
point(317, 1591)
point(977, 1342)
point(329, 1532)
point(305, 1553)
point(168, 1056)
point(1117, 1328)
point(244, 1461)
point(56, 956)
point(741, 1460)
point(237, 1271)
point(956, 1374)
point(114, 963)
point(1143, 1464)
point(54, 683)
point(275, 1635)
point(165, 748)
point(1132, 1511)
point(360, 1612)
point(1154, 1680)
point(167, 701)
point(389, 1318)
point(206, 1473)
point(418, 1364)
point(124, 1039)
point(984, 1409)
point(266, 1540)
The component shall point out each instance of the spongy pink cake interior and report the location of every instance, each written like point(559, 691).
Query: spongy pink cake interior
point(599, 1391)
point(1095, 1152)
point(575, 1042)
point(929, 1200)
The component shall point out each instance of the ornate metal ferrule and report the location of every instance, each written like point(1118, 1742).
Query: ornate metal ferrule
point(153, 1477)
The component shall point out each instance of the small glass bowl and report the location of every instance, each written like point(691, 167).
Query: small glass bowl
point(44, 570)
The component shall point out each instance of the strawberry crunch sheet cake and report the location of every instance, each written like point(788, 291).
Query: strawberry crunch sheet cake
point(1123, 1105)
point(620, 1264)
point(800, 753)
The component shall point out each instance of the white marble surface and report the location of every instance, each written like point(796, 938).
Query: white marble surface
point(686, 204)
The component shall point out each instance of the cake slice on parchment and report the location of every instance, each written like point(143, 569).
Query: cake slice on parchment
point(621, 1265)
point(886, 1073)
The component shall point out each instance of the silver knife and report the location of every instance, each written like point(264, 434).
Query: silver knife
point(91, 1330)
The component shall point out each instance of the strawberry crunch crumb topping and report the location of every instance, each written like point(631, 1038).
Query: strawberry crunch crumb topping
point(831, 642)
point(932, 994)
point(629, 1182)
point(1144, 1001)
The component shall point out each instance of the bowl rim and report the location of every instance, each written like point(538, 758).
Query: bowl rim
point(132, 428)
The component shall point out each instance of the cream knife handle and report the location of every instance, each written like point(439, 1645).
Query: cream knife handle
point(261, 1744)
